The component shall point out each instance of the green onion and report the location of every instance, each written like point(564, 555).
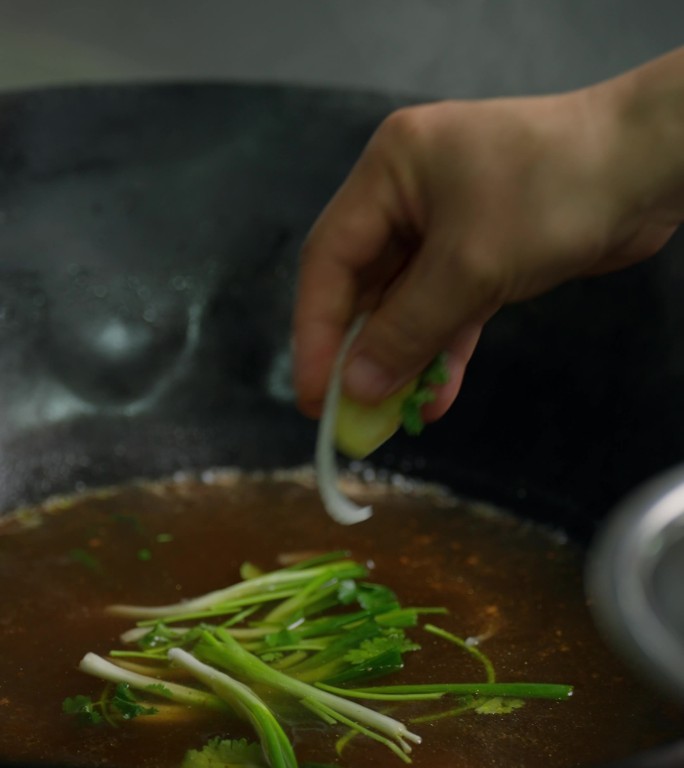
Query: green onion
point(308, 635)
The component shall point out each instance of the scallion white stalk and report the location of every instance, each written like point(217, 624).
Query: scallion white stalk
point(275, 745)
point(342, 509)
point(95, 665)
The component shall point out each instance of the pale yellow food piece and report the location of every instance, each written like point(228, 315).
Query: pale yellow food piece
point(360, 429)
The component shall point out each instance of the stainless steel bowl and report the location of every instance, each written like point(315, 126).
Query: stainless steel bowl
point(635, 581)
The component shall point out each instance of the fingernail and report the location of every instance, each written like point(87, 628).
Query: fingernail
point(365, 379)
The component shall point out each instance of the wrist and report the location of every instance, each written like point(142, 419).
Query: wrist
point(646, 135)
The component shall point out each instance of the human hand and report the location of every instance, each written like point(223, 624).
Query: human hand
point(457, 208)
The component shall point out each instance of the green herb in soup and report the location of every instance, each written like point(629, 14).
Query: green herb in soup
point(513, 592)
point(119, 702)
point(311, 632)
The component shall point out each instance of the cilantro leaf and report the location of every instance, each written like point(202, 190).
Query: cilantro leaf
point(374, 657)
point(126, 703)
point(347, 591)
point(435, 374)
point(370, 649)
point(283, 637)
point(376, 598)
point(161, 636)
point(225, 753)
point(83, 707)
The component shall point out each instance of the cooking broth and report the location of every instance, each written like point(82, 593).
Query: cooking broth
point(514, 586)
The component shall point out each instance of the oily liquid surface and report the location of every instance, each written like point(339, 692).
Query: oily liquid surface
point(513, 585)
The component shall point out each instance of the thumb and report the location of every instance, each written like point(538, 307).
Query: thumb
point(433, 306)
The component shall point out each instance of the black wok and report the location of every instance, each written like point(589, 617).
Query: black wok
point(148, 249)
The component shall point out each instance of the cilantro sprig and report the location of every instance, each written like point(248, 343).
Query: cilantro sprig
point(434, 375)
point(117, 702)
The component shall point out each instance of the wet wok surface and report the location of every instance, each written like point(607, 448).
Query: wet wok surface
point(148, 246)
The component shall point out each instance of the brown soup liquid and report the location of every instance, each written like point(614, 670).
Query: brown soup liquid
point(515, 586)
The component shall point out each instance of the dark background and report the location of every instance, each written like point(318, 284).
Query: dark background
point(149, 237)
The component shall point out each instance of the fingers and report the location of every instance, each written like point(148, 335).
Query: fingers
point(459, 353)
point(350, 234)
point(376, 248)
point(439, 303)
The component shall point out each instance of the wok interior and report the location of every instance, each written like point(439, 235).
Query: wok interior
point(149, 247)
point(149, 240)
